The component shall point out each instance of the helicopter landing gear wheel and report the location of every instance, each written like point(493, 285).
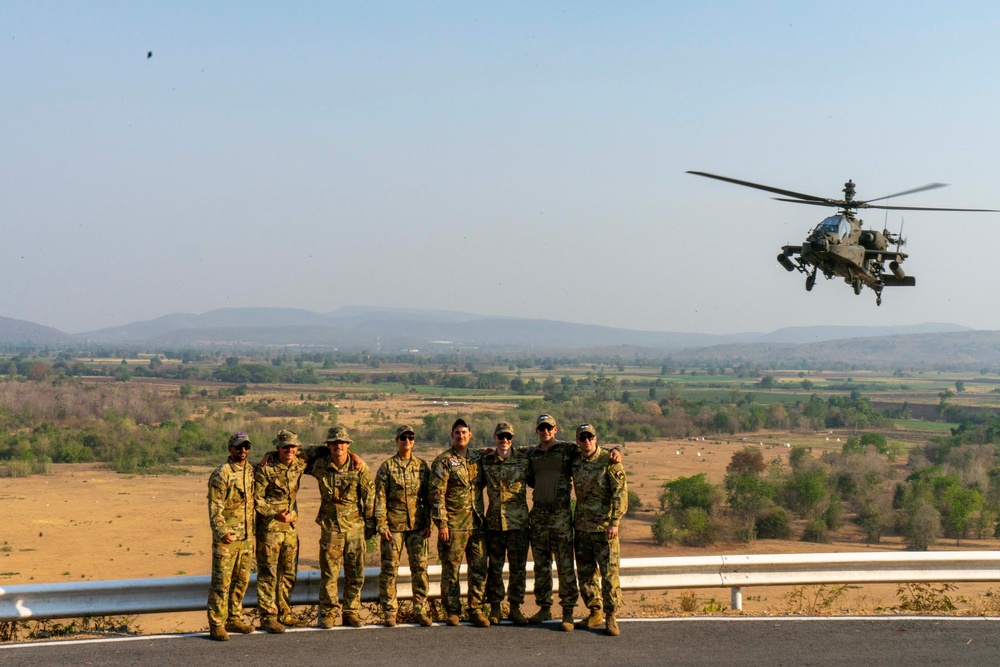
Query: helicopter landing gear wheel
point(810, 282)
point(857, 285)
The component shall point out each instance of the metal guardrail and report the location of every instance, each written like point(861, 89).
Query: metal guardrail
point(178, 594)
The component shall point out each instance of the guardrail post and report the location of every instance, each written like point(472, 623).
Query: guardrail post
point(736, 598)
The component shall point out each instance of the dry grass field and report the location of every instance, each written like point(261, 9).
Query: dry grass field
point(86, 523)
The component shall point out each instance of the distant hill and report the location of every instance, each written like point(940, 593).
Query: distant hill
point(396, 329)
point(19, 332)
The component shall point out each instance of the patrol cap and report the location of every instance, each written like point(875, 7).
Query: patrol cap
point(459, 422)
point(337, 434)
point(403, 430)
point(504, 427)
point(585, 428)
point(237, 439)
point(286, 438)
point(545, 419)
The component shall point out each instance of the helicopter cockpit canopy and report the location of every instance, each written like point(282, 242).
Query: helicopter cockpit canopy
point(835, 224)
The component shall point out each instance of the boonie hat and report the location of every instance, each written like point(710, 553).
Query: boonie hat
point(337, 434)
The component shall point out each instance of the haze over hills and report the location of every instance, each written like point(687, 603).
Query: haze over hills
point(394, 329)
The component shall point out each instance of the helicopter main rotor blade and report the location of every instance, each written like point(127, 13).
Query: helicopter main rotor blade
point(832, 204)
point(925, 208)
point(929, 186)
point(767, 188)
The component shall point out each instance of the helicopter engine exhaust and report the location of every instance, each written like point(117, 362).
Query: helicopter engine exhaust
point(785, 262)
point(897, 270)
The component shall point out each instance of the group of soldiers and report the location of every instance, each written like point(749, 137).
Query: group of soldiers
point(253, 509)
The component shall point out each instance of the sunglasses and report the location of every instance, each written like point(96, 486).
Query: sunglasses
point(504, 436)
point(585, 436)
point(289, 447)
point(544, 427)
point(242, 445)
point(407, 436)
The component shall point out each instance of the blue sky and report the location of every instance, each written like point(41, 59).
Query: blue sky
point(517, 160)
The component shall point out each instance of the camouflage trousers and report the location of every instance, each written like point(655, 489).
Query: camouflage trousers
point(510, 546)
point(231, 564)
point(416, 551)
point(471, 545)
point(277, 564)
point(336, 549)
point(594, 551)
point(552, 537)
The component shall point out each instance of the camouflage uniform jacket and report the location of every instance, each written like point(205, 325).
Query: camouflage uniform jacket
point(601, 492)
point(276, 489)
point(230, 501)
point(401, 501)
point(506, 482)
point(550, 475)
point(347, 493)
point(455, 493)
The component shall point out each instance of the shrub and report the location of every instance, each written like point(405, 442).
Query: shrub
point(816, 531)
point(634, 503)
point(774, 525)
point(698, 529)
point(664, 529)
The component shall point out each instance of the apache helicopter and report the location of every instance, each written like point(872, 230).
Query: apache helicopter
point(838, 246)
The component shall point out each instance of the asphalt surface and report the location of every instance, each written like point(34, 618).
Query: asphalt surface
point(689, 641)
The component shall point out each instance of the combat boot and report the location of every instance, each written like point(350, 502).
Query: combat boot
point(271, 626)
point(611, 626)
point(543, 614)
point(218, 633)
point(390, 619)
point(567, 621)
point(516, 616)
point(478, 619)
point(236, 625)
point(325, 622)
point(290, 621)
point(423, 619)
point(352, 619)
point(494, 616)
point(595, 620)
point(452, 619)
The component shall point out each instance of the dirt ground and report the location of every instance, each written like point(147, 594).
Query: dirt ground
point(85, 523)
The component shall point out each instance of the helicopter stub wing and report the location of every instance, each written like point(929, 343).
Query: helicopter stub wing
point(890, 280)
point(791, 249)
point(885, 255)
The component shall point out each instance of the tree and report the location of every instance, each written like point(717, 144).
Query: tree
point(960, 386)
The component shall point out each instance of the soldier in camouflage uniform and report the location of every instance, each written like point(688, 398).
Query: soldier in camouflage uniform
point(275, 492)
point(231, 514)
point(457, 511)
point(552, 520)
point(347, 499)
point(402, 517)
point(601, 502)
point(504, 473)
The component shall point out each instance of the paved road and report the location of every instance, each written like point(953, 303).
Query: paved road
point(910, 642)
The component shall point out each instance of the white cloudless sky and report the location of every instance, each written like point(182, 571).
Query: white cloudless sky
point(519, 159)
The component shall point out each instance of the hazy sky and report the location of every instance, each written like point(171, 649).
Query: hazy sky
point(516, 158)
